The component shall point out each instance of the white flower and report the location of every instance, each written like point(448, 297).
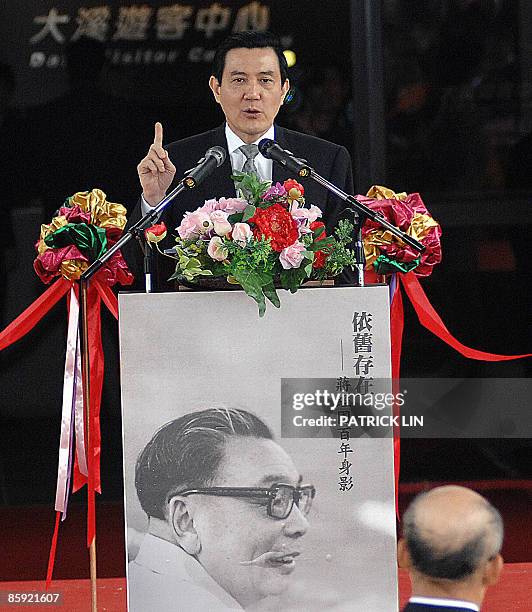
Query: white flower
point(216, 249)
point(220, 223)
point(242, 233)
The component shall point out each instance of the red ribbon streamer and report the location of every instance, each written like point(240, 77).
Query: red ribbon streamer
point(96, 369)
point(51, 558)
point(109, 298)
point(96, 292)
point(396, 341)
point(27, 320)
point(431, 320)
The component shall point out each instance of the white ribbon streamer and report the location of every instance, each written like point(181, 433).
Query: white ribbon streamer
point(79, 421)
point(69, 385)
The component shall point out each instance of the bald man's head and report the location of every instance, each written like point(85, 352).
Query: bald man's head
point(450, 532)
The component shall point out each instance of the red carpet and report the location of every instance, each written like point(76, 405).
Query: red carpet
point(512, 592)
point(26, 541)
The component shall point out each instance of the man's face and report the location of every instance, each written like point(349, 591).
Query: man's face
point(250, 93)
point(235, 531)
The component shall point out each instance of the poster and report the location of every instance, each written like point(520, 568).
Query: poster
point(191, 354)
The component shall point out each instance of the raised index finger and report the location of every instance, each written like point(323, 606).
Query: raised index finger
point(158, 140)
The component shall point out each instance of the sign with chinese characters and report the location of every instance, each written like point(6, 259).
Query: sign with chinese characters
point(141, 23)
point(210, 351)
point(172, 41)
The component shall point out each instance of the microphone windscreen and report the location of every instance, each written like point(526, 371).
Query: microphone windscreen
point(265, 145)
point(218, 153)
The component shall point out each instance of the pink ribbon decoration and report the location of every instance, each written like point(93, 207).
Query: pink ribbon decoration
point(69, 399)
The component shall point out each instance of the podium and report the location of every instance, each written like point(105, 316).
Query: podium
point(189, 351)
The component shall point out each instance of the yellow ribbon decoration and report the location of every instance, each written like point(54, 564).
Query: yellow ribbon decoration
point(72, 269)
point(103, 213)
point(378, 192)
point(420, 226)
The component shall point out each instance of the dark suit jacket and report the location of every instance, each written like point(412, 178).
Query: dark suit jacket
point(418, 607)
point(330, 160)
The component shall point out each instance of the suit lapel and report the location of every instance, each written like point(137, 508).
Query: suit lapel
point(279, 174)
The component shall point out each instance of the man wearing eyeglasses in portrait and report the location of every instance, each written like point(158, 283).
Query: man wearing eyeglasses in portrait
point(227, 511)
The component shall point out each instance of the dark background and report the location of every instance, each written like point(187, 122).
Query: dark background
point(429, 96)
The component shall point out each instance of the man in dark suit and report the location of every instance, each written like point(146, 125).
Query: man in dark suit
point(250, 82)
point(452, 538)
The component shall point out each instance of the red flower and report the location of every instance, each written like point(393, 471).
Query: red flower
point(275, 222)
point(155, 233)
point(319, 256)
point(293, 184)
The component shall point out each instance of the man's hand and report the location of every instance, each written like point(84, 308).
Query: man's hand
point(156, 171)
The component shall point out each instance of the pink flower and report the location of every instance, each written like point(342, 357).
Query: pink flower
point(241, 233)
point(274, 192)
point(311, 213)
point(231, 205)
point(220, 223)
point(216, 249)
point(187, 228)
point(194, 224)
point(292, 256)
point(209, 206)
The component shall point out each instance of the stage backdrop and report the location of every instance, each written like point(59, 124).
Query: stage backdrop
point(157, 50)
point(187, 351)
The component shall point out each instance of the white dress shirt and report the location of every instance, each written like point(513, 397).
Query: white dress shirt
point(264, 166)
point(446, 603)
point(164, 578)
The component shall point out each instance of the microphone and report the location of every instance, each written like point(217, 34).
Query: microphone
point(271, 150)
point(214, 157)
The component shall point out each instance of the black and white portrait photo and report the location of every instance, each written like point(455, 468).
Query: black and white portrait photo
point(222, 511)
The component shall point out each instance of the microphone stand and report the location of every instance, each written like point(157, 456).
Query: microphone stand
point(148, 262)
point(136, 230)
point(361, 212)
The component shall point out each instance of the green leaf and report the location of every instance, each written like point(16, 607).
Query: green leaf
point(321, 245)
point(237, 176)
point(270, 292)
point(318, 231)
point(235, 218)
point(250, 186)
point(291, 279)
point(249, 211)
point(253, 282)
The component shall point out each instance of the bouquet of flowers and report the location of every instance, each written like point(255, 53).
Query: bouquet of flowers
point(265, 237)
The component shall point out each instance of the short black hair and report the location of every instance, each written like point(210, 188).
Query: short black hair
point(249, 40)
point(455, 564)
point(187, 452)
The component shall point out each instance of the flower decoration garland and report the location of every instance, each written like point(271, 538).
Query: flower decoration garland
point(265, 237)
point(387, 254)
point(85, 227)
